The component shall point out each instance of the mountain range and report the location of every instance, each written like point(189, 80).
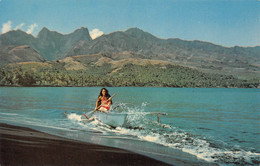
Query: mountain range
point(50, 45)
point(11, 54)
point(133, 46)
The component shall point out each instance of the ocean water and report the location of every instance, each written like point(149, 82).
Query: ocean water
point(216, 125)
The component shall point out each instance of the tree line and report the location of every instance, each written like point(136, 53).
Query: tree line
point(128, 75)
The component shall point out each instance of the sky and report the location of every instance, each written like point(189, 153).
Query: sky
point(223, 22)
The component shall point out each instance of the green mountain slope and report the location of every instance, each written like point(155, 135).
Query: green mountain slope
point(14, 54)
point(51, 45)
point(133, 46)
point(239, 61)
point(107, 70)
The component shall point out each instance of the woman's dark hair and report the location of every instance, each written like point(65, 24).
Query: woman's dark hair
point(101, 95)
point(107, 94)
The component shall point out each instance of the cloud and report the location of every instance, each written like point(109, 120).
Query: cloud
point(31, 28)
point(20, 26)
point(7, 27)
point(95, 33)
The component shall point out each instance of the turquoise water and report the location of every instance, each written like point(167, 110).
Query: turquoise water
point(217, 125)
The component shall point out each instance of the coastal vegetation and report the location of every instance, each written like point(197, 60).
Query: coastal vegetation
point(55, 74)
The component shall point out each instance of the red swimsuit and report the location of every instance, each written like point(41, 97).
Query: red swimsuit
point(105, 104)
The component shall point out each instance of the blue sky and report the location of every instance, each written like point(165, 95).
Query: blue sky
point(224, 22)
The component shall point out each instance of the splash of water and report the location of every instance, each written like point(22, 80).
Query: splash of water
point(74, 116)
point(141, 127)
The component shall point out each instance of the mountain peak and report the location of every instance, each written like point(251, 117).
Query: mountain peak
point(81, 30)
point(16, 32)
point(138, 33)
point(16, 38)
point(82, 33)
point(44, 29)
point(134, 30)
point(46, 32)
point(43, 32)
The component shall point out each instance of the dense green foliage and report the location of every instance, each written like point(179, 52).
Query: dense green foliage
point(54, 74)
point(176, 76)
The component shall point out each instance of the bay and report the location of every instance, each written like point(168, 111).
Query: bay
point(217, 125)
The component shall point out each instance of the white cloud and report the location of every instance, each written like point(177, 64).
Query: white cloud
point(20, 26)
point(7, 27)
point(31, 28)
point(95, 33)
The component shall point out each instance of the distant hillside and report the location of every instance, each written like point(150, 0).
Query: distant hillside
point(112, 70)
point(16, 38)
point(50, 44)
point(206, 56)
point(53, 45)
point(14, 54)
point(134, 43)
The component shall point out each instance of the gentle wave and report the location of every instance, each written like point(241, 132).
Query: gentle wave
point(172, 137)
point(10, 114)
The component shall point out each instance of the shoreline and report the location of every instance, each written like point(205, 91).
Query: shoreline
point(51, 86)
point(25, 146)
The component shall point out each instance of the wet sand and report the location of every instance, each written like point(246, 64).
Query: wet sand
point(24, 146)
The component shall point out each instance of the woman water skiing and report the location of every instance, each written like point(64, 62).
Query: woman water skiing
point(104, 100)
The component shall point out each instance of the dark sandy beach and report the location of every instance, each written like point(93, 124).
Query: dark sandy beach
point(24, 146)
